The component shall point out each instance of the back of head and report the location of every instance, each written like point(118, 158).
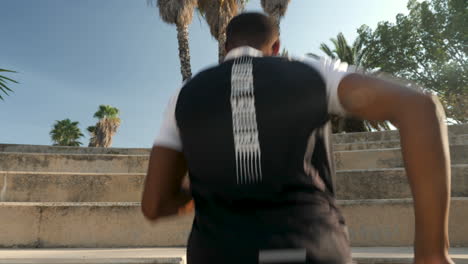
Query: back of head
point(251, 29)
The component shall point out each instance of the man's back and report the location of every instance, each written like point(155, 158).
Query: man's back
point(254, 134)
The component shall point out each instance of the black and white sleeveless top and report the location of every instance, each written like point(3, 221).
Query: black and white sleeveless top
point(254, 132)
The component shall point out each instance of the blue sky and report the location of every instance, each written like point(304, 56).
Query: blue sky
point(75, 55)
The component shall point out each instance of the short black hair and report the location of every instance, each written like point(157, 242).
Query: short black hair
point(252, 29)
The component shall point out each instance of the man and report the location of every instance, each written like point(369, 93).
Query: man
point(252, 133)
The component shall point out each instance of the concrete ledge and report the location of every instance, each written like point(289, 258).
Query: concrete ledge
point(370, 222)
point(70, 187)
point(390, 222)
point(389, 183)
point(72, 150)
point(87, 225)
point(399, 255)
point(127, 187)
point(367, 255)
point(387, 135)
point(90, 163)
point(455, 140)
point(386, 158)
point(461, 139)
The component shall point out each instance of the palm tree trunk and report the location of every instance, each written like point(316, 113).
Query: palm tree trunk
point(277, 19)
point(92, 141)
point(221, 47)
point(184, 51)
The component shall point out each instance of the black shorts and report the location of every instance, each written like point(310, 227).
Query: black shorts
point(320, 240)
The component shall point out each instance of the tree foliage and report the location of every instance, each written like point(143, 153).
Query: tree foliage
point(3, 83)
point(106, 111)
point(276, 9)
point(428, 46)
point(354, 55)
point(66, 133)
point(217, 14)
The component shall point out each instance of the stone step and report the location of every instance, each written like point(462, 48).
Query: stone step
point(72, 150)
point(70, 187)
point(459, 133)
point(94, 256)
point(455, 140)
point(370, 222)
point(461, 139)
point(389, 183)
point(387, 135)
point(85, 163)
point(42, 225)
point(127, 187)
point(399, 255)
point(390, 222)
point(387, 158)
point(367, 255)
point(105, 163)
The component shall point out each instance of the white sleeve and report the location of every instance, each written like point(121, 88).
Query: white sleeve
point(169, 135)
point(332, 71)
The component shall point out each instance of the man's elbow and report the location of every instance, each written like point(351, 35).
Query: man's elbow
point(430, 105)
point(418, 107)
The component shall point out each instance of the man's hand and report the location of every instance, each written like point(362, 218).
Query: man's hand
point(190, 206)
point(187, 208)
point(163, 194)
point(421, 122)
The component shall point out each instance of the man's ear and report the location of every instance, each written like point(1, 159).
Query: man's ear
point(275, 48)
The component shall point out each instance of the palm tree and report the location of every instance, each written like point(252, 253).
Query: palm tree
point(276, 9)
point(355, 56)
point(106, 127)
point(3, 83)
point(180, 13)
point(66, 133)
point(92, 133)
point(217, 14)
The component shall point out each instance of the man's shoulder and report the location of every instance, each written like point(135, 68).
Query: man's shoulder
point(292, 61)
point(294, 66)
point(213, 69)
point(218, 72)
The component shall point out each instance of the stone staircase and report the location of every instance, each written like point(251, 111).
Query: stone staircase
point(70, 197)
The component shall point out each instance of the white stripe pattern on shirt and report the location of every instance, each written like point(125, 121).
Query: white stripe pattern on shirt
point(244, 123)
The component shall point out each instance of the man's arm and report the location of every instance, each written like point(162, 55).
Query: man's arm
point(163, 194)
point(421, 122)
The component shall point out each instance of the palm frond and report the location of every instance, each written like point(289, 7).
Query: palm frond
point(5, 70)
point(3, 83)
point(313, 55)
point(178, 12)
point(91, 129)
point(355, 56)
point(66, 133)
point(218, 13)
point(275, 7)
point(106, 111)
point(325, 48)
point(8, 79)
